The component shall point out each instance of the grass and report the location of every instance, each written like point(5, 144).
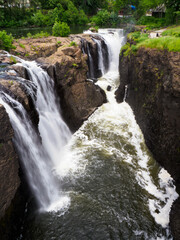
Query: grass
point(171, 44)
point(138, 36)
point(172, 32)
point(21, 45)
point(170, 41)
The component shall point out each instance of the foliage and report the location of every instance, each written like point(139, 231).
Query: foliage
point(126, 49)
point(151, 22)
point(61, 29)
point(40, 19)
point(12, 60)
point(6, 41)
point(138, 36)
point(38, 35)
point(104, 19)
point(91, 6)
point(72, 44)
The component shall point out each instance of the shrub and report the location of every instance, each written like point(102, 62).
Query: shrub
point(60, 29)
point(6, 41)
point(72, 44)
point(38, 35)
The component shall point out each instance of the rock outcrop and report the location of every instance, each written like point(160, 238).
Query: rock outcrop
point(79, 97)
point(153, 80)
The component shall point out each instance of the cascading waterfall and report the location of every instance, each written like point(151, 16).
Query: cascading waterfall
point(40, 155)
point(115, 188)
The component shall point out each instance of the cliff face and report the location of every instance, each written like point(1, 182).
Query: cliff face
point(9, 166)
point(153, 79)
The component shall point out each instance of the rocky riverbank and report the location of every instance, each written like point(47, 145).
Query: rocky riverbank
point(153, 80)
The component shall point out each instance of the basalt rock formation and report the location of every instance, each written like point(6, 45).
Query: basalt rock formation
point(153, 80)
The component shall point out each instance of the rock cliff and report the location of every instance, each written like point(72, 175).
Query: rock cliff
point(9, 166)
point(68, 67)
point(153, 80)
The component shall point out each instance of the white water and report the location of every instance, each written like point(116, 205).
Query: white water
point(100, 62)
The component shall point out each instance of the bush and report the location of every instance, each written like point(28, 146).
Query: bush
point(152, 22)
point(6, 41)
point(38, 35)
point(60, 29)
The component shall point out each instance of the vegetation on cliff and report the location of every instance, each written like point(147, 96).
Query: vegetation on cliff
point(170, 41)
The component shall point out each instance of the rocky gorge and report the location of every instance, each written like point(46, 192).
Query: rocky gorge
point(152, 78)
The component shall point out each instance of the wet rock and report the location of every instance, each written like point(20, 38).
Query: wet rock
point(109, 88)
point(15, 88)
point(80, 101)
point(21, 71)
point(175, 223)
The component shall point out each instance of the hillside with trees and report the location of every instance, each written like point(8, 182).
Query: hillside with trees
point(23, 13)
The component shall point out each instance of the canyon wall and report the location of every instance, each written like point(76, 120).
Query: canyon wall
point(153, 80)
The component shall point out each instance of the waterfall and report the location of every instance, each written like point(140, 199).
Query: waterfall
point(104, 174)
point(40, 155)
point(114, 39)
point(101, 65)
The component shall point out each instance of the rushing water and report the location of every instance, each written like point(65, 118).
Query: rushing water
point(108, 183)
